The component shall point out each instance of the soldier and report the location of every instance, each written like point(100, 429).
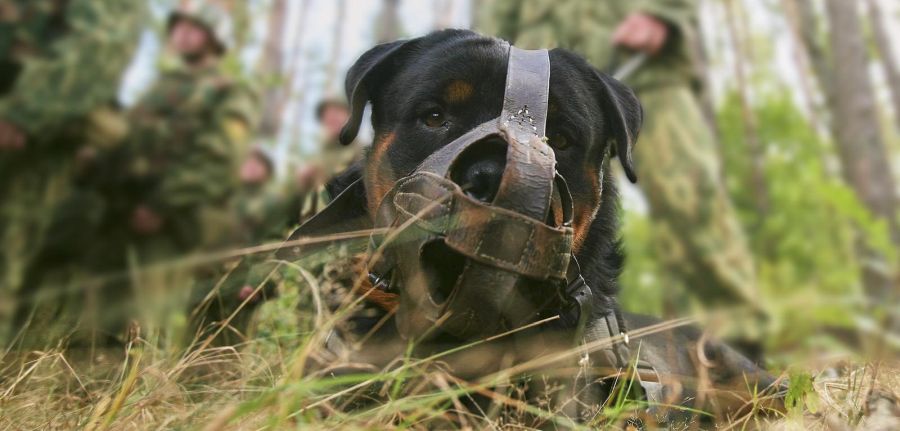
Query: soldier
point(332, 158)
point(187, 138)
point(260, 201)
point(166, 188)
point(698, 233)
point(60, 68)
point(261, 217)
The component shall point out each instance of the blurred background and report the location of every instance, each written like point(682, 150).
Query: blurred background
point(157, 143)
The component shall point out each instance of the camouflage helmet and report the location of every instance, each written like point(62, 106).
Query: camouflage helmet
point(213, 17)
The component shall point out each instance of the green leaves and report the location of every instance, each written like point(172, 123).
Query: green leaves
point(805, 247)
point(801, 396)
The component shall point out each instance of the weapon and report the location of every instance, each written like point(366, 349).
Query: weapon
point(622, 70)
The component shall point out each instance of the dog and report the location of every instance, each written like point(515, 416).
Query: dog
point(427, 92)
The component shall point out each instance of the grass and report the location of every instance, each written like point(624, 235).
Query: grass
point(245, 387)
point(278, 375)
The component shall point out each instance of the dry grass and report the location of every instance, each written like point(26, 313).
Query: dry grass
point(222, 388)
point(267, 384)
point(280, 376)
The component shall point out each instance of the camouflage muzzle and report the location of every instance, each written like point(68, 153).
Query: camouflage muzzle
point(474, 267)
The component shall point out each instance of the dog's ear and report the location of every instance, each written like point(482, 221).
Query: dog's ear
point(624, 118)
point(364, 75)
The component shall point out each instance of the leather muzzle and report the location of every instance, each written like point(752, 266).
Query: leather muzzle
point(519, 240)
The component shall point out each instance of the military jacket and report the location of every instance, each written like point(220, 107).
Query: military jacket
point(61, 60)
point(186, 138)
point(587, 26)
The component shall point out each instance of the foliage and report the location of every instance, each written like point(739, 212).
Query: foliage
point(804, 245)
point(801, 393)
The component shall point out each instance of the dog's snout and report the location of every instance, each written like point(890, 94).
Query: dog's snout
point(479, 169)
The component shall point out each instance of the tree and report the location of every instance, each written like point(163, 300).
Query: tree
point(337, 40)
point(888, 61)
point(810, 33)
point(443, 16)
point(802, 53)
point(388, 21)
point(739, 42)
point(273, 65)
point(857, 135)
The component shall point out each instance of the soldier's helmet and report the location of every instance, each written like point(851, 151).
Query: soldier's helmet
point(213, 17)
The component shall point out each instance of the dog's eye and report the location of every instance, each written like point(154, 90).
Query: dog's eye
point(559, 141)
point(434, 118)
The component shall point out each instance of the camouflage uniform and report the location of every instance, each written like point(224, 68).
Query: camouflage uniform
point(60, 66)
point(332, 159)
point(699, 236)
point(187, 138)
point(262, 218)
point(265, 214)
point(261, 208)
point(179, 158)
point(290, 208)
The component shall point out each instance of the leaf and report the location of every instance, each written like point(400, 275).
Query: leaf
point(799, 392)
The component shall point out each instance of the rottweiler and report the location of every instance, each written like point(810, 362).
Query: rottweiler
point(427, 92)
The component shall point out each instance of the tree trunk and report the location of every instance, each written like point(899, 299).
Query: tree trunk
point(701, 58)
point(389, 22)
point(810, 32)
point(888, 61)
point(751, 129)
point(476, 13)
point(331, 72)
point(807, 73)
point(273, 66)
point(444, 11)
point(858, 138)
point(297, 70)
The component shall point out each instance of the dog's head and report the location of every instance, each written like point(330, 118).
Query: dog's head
point(427, 92)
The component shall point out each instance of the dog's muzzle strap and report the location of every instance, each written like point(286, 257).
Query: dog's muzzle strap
point(493, 236)
point(527, 92)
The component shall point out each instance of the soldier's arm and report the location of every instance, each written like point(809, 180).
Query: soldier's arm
point(80, 73)
point(209, 172)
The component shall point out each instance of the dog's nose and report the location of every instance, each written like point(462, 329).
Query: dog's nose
point(479, 169)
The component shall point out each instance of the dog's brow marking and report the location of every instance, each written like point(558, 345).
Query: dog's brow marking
point(376, 169)
point(458, 91)
point(585, 214)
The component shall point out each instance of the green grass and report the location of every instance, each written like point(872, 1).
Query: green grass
point(278, 375)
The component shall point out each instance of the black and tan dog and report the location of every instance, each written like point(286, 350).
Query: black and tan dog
point(427, 92)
